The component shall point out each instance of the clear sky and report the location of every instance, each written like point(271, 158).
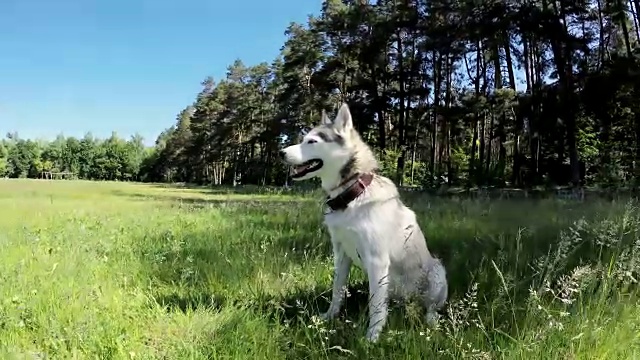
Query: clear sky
point(72, 66)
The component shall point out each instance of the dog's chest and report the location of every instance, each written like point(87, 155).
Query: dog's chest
point(349, 241)
point(350, 234)
point(352, 244)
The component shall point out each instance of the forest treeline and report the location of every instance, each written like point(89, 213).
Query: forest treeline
point(464, 93)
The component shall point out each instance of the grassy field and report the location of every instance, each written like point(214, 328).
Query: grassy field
point(130, 271)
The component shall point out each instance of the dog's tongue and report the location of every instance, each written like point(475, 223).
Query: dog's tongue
point(299, 168)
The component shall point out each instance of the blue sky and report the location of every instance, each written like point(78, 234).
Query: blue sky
point(72, 66)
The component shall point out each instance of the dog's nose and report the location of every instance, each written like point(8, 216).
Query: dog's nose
point(282, 154)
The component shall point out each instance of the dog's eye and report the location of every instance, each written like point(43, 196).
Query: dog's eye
point(311, 141)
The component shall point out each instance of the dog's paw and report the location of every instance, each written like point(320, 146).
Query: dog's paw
point(432, 318)
point(373, 334)
point(328, 315)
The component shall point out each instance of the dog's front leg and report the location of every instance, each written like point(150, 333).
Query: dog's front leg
point(342, 265)
point(378, 274)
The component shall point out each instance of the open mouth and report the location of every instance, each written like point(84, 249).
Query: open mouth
point(305, 168)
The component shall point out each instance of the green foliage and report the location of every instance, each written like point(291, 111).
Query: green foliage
point(110, 159)
point(439, 100)
point(4, 161)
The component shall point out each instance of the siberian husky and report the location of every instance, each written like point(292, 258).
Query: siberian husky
point(368, 223)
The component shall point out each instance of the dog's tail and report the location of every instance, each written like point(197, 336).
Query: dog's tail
point(438, 286)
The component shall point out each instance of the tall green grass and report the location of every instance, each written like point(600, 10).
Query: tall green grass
point(129, 271)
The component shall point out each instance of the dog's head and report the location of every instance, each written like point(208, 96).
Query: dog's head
point(324, 150)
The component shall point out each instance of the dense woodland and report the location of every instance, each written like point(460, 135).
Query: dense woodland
point(460, 93)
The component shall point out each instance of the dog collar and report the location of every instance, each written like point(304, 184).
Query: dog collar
point(356, 189)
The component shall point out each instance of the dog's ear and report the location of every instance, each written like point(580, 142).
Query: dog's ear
point(343, 120)
point(325, 119)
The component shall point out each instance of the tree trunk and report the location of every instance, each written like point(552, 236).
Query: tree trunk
point(476, 118)
point(401, 116)
point(448, 121)
point(436, 106)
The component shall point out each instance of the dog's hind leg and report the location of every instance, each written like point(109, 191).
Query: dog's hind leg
point(378, 274)
point(342, 265)
point(436, 290)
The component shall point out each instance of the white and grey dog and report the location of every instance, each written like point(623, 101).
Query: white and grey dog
point(368, 223)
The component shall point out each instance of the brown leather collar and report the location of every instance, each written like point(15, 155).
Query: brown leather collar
point(356, 189)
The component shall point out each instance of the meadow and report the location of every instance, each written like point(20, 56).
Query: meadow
point(112, 270)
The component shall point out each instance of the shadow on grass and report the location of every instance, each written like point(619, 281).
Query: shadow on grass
point(194, 203)
point(295, 307)
point(296, 188)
